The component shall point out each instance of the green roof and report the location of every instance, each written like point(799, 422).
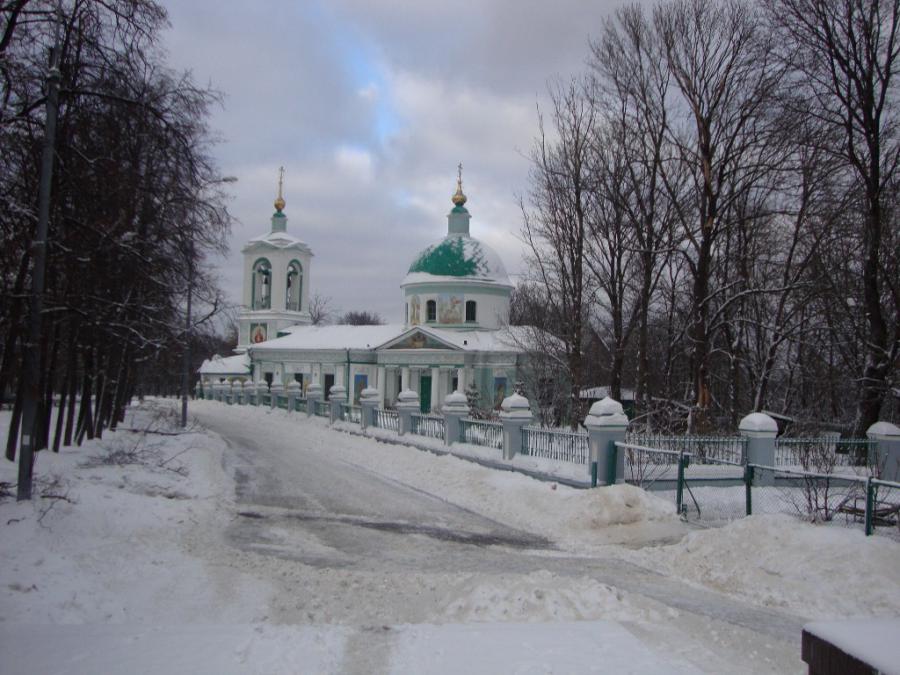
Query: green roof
point(449, 258)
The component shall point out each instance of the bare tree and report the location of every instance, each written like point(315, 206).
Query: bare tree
point(360, 318)
point(720, 63)
point(320, 311)
point(845, 57)
point(554, 222)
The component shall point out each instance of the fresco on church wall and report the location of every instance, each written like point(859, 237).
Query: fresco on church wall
point(360, 382)
point(418, 341)
point(450, 308)
point(415, 311)
point(257, 332)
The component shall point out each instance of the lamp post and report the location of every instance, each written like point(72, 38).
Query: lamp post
point(31, 357)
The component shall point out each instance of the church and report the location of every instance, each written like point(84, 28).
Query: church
point(455, 335)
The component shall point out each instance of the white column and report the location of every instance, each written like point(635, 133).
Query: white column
point(461, 379)
point(435, 388)
point(381, 385)
point(404, 378)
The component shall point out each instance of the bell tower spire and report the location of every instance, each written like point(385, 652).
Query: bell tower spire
point(279, 220)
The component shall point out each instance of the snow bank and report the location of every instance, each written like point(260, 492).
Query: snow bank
point(544, 596)
point(779, 561)
point(110, 532)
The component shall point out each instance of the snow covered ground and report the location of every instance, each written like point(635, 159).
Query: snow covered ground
point(122, 557)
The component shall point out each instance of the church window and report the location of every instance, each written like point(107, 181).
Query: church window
point(431, 311)
point(294, 288)
point(262, 285)
point(470, 310)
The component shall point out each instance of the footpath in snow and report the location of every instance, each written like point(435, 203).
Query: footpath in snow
point(121, 558)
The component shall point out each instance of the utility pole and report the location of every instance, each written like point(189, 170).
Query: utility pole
point(32, 348)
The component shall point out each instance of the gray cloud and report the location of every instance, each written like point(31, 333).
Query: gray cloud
point(370, 106)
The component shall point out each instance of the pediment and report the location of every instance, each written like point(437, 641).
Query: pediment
point(417, 338)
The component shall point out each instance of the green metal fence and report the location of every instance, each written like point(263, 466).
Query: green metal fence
point(702, 449)
point(387, 419)
point(822, 454)
point(431, 426)
point(321, 408)
point(351, 413)
point(477, 432)
point(561, 446)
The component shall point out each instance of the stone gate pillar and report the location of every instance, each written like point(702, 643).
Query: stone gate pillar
point(606, 424)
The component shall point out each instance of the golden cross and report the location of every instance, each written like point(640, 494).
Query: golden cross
point(280, 180)
point(459, 175)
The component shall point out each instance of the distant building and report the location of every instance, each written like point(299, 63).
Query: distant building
point(455, 303)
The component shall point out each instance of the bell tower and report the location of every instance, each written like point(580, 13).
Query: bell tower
point(277, 272)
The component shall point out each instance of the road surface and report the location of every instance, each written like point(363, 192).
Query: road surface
point(349, 545)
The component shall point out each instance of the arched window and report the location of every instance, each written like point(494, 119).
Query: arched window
point(470, 310)
point(262, 285)
point(431, 311)
point(293, 291)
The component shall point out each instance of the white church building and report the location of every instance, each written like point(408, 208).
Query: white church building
point(455, 334)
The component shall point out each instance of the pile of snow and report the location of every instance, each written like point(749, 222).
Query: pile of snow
point(779, 561)
point(544, 596)
point(109, 533)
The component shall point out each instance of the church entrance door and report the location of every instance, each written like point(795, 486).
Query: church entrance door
point(425, 393)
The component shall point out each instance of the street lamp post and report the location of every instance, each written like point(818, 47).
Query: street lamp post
point(31, 352)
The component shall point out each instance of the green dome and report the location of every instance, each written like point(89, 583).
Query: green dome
point(446, 259)
point(459, 256)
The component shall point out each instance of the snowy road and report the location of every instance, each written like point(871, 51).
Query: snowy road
point(353, 545)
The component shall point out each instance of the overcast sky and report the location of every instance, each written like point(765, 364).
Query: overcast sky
point(370, 105)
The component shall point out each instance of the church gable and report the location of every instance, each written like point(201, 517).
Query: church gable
point(418, 339)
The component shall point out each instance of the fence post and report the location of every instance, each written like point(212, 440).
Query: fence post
point(407, 404)
point(261, 389)
point(886, 437)
point(293, 392)
point(870, 507)
point(515, 413)
point(369, 398)
point(456, 406)
point(337, 396)
point(274, 391)
point(606, 424)
point(748, 484)
point(679, 485)
point(313, 395)
point(760, 431)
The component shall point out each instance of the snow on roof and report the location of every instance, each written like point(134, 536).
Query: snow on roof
point(331, 337)
point(457, 258)
point(509, 339)
point(226, 365)
point(276, 239)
